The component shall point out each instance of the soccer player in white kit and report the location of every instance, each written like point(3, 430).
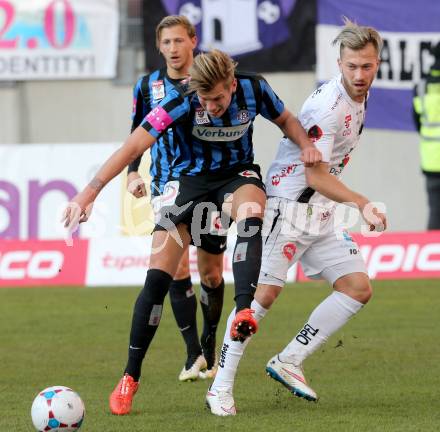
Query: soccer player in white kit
point(299, 222)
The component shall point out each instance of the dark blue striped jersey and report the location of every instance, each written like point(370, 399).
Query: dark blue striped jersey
point(204, 143)
point(147, 93)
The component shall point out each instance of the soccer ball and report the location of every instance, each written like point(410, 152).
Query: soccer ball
point(57, 408)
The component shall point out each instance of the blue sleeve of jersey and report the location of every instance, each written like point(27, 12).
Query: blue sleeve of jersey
point(139, 108)
point(172, 110)
point(272, 106)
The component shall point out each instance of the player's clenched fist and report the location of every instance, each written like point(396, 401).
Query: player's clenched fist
point(311, 156)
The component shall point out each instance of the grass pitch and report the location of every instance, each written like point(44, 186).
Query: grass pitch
point(379, 373)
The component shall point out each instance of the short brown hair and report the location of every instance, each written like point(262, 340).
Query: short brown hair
point(356, 37)
point(210, 68)
point(172, 21)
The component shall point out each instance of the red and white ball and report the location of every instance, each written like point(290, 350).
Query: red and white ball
point(57, 408)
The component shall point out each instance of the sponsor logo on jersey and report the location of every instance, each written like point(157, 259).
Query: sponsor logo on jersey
point(158, 90)
point(336, 102)
point(336, 171)
point(225, 133)
point(315, 133)
point(316, 92)
point(201, 116)
point(346, 159)
point(243, 116)
point(347, 122)
point(276, 178)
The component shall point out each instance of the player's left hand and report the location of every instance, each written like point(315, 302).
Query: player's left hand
point(379, 221)
point(311, 156)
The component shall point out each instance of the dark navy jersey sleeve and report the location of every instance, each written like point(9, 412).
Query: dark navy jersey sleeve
point(271, 105)
point(171, 110)
point(141, 103)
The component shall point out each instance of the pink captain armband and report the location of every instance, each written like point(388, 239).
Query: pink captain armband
point(159, 119)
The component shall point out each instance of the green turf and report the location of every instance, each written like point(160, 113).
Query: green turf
point(379, 373)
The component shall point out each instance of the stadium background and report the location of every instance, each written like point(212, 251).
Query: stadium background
point(59, 121)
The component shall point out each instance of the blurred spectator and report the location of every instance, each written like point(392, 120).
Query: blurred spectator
point(426, 107)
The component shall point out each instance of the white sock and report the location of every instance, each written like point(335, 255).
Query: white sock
point(232, 351)
point(328, 317)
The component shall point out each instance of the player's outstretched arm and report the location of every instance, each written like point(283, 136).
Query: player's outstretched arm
point(292, 129)
point(319, 178)
point(79, 209)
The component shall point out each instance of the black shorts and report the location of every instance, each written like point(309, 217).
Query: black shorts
point(196, 201)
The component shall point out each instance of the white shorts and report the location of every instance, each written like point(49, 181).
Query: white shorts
point(295, 232)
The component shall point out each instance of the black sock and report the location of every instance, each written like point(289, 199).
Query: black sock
point(184, 304)
point(211, 301)
point(247, 261)
point(146, 318)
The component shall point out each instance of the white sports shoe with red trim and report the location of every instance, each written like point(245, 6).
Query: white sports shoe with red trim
point(290, 376)
point(221, 402)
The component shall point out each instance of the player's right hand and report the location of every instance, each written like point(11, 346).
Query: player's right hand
point(78, 210)
point(136, 185)
point(311, 156)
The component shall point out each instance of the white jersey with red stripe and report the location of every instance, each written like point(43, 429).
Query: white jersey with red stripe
point(334, 122)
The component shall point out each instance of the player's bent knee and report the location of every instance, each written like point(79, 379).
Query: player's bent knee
point(366, 293)
point(211, 279)
point(361, 292)
point(267, 294)
point(182, 272)
point(356, 285)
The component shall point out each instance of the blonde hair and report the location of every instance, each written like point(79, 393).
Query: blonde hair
point(172, 21)
point(210, 68)
point(356, 37)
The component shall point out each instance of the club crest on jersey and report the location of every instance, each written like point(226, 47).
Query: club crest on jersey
point(249, 173)
point(315, 133)
point(201, 116)
point(158, 90)
point(243, 116)
point(289, 250)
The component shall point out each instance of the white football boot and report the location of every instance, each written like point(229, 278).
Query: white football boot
point(193, 372)
point(292, 377)
point(210, 373)
point(221, 402)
